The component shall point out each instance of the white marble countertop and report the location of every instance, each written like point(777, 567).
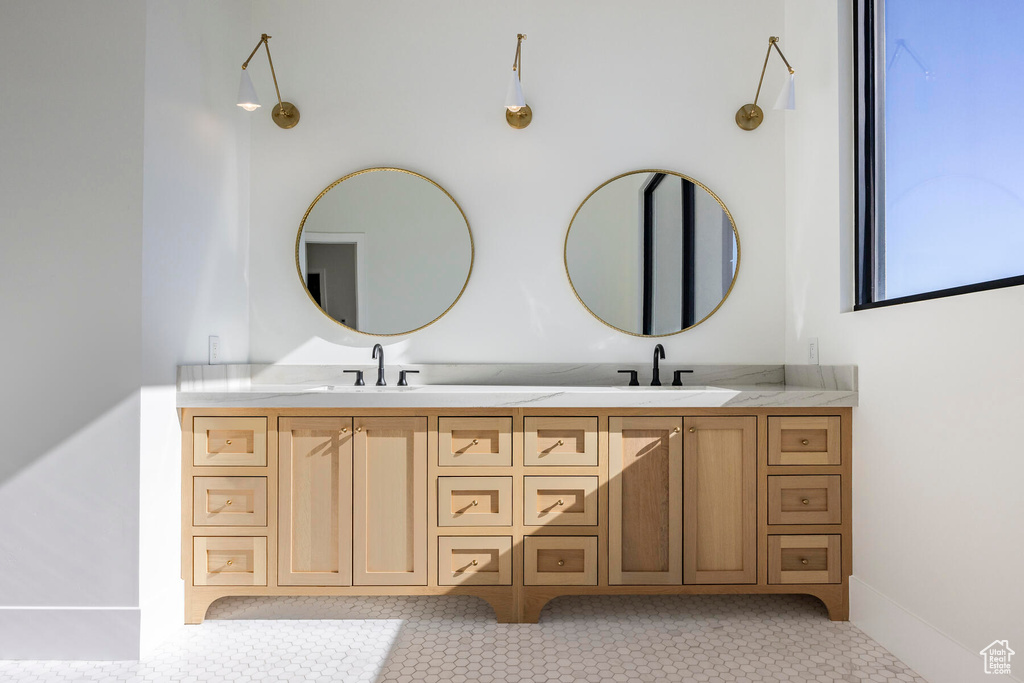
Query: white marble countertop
point(563, 386)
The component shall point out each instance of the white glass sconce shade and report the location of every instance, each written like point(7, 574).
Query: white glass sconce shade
point(787, 96)
point(514, 100)
point(247, 98)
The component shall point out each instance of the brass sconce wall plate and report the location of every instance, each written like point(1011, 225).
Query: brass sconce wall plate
point(285, 114)
point(519, 119)
point(749, 116)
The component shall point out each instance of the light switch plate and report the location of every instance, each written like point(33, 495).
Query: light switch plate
point(214, 350)
point(812, 351)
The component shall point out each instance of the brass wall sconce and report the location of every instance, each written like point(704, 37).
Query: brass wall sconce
point(285, 114)
point(517, 112)
point(750, 116)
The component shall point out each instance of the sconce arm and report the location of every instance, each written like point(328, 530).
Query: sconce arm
point(517, 63)
point(265, 41)
point(772, 42)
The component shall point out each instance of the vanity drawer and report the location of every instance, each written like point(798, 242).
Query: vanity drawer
point(803, 440)
point(229, 561)
point(566, 501)
point(805, 500)
point(229, 441)
point(474, 561)
point(474, 501)
point(804, 559)
point(560, 441)
point(474, 441)
point(561, 560)
point(229, 501)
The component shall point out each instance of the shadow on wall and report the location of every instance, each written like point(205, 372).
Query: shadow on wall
point(69, 505)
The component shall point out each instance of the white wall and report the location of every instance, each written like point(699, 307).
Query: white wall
point(195, 255)
point(421, 86)
point(70, 273)
point(938, 510)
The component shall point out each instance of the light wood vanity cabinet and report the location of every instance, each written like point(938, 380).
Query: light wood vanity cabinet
point(516, 506)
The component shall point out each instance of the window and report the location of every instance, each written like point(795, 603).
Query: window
point(939, 146)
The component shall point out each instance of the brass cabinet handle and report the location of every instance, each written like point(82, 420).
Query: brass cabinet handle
point(227, 441)
point(359, 429)
point(560, 443)
point(475, 503)
point(803, 561)
point(692, 430)
point(561, 502)
point(561, 563)
point(230, 562)
point(676, 430)
point(228, 501)
point(804, 441)
point(805, 501)
point(344, 430)
point(476, 441)
point(475, 563)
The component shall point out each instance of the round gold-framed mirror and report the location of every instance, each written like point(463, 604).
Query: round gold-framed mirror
point(652, 253)
point(384, 251)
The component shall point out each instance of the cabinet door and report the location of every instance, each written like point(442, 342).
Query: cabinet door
point(315, 494)
point(390, 501)
point(720, 500)
point(645, 482)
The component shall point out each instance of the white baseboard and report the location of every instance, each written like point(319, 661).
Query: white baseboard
point(84, 633)
point(925, 649)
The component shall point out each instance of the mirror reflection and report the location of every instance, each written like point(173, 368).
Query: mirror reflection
point(652, 253)
point(384, 251)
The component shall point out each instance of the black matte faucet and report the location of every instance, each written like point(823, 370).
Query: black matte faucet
point(659, 352)
point(378, 349)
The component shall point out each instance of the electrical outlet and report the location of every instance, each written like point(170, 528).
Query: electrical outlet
point(812, 351)
point(214, 350)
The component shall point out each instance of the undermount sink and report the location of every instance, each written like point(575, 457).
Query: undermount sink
point(506, 389)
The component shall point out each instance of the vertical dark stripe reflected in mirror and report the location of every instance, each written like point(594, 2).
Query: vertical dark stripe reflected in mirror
point(648, 209)
point(689, 216)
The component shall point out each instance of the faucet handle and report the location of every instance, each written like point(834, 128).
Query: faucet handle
point(401, 376)
point(677, 381)
point(359, 377)
point(633, 381)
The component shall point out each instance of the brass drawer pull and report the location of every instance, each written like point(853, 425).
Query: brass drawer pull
point(344, 430)
point(475, 503)
point(560, 443)
point(476, 441)
point(230, 562)
point(227, 441)
point(805, 501)
point(561, 563)
point(475, 563)
point(692, 430)
point(803, 560)
point(805, 442)
point(228, 501)
point(359, 429)
point(561, 502)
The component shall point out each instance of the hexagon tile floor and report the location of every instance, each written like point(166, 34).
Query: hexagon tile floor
point(712, 639)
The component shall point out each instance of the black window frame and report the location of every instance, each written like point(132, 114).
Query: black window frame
point(869, 184)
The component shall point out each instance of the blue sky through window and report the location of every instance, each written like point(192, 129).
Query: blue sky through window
point(954, 143)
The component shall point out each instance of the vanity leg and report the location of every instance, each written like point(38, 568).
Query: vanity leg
point(504, 607)
point(196, 607)
point(836, 601)
point(531, 607)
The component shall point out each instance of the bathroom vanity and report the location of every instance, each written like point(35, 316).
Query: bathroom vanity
point(515, 494)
